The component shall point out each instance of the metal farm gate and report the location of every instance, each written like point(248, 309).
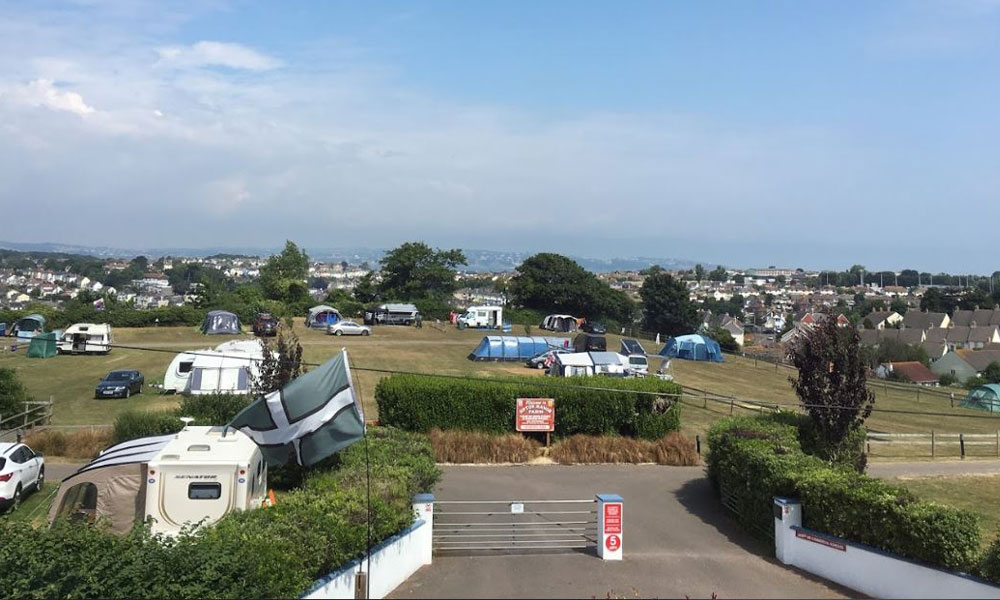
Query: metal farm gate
point(469, 526)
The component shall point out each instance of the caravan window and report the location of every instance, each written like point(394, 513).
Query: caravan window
point(204, 491)
point(184, 367)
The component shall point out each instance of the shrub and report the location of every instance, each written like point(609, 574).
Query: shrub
point(476, 447)
point(276, 552)
point(673, 449)
point(213, 409)
point(78, 443)
point(134, 424)
point(989, 565)
point(13, 394)
point(756, 458)
point(948, 380)
point(206, 409)
point(589, 405)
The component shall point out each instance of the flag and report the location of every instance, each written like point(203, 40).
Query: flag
point(312, 417)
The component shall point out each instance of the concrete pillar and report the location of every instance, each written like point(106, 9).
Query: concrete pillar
point(787, 514)
point(423, 508)
point(610, 526)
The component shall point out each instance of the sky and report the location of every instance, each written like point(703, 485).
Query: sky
point(800, 134)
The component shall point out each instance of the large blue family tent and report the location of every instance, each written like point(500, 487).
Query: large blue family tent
point(983, 397)
point(507, 347)
point(692, 347)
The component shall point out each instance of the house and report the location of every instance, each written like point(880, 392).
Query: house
point(925, 320)
point(912, 370)
point(935, 350)
point(976, 318)
point(964, 364)
point(731, 324)
point(882, 319)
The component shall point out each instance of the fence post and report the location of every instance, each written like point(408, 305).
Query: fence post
point(998, 442)
point(961, 444)
point(731, 405)
point(952, 399)
point(697, 443)
point(932, 443)
point(705, 399)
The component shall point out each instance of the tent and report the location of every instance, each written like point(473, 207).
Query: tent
point(632, 346)
point(28, 327)
point(692, 347)
point(110, 486)
point(565, 323)
point(983, 397)
point(321, 316)
point(43, 345)
point(220, 322)
point(511, 348)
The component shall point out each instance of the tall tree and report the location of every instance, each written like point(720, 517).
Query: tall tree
point(666, 305)
point(699, 272)
point(552, 282)
point(414, 271)
point(283, 276)
point(832, 384)
point(282, 363)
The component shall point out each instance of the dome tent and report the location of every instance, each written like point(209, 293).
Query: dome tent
point(321, 316)
point(692, 347)
point(220, 322)
point(983, 397)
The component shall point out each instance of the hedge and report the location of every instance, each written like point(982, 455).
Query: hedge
point(276, 552)
point(588, 405)
point(756, 458)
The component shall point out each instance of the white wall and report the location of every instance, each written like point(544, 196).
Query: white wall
point(867, 570)
point(392, 561)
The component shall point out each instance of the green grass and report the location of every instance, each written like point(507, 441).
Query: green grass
point(34, 506)
point(977, 493)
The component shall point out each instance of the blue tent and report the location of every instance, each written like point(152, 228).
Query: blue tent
point(692, 347)
point(507, 347)
point(983, 397)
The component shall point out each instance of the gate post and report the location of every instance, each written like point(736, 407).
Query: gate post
point(423, 508)
point(787, 514)
point(610, 526)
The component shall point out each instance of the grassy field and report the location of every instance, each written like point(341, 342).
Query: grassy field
point(69, 380)
point(977, 493)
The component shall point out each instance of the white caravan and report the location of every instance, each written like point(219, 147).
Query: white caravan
point(194, 477)
point(482, 316)
point(86, 338)
point(179, 372)
point(228, 369)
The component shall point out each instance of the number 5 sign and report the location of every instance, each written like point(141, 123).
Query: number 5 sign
point(610, 526)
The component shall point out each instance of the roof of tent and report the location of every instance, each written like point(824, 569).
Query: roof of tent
point(575, 359)
point(692, 347)
point(507, 347)
point(220, 321)
point(322, 308)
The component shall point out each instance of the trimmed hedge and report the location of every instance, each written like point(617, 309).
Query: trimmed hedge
point(207, 409)
point(619, 407)
point(757, 458)
point(276, 552)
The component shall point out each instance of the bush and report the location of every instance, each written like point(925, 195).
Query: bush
point(673, 449)
point(276, 552)
point(13, 394)
point(676, 450)
point(947, 380)
point(589, 405)
point(756, 458)
point(213, 409)
point(476, 447)
point(134, 424)
point(989, 566)
point(207, 409)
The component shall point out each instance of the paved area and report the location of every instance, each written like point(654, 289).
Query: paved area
point(677, 542)
point(934, 468)
point(57, 471)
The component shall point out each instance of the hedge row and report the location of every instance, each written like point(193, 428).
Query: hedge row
point(589, 405)
point(756, 458)
point(207, 409)
point(276, 552)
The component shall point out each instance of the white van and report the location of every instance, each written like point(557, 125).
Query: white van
point(86, 338)
point(481, 316)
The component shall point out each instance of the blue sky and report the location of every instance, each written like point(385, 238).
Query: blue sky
point(794, 133)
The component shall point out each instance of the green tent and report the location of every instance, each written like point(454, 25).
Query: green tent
point(983, 397)
point(43, 345)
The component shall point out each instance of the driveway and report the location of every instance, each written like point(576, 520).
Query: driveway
point(677, 542)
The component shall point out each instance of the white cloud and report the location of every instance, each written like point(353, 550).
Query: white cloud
point(216, 54)
point(43, 92)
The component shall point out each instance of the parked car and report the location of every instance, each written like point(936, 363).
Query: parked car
point(543, 360)
point(265, 325)
point(589, 342)
point(21, 469)
point(590, 327)
point(348, 328)
point(120, 384)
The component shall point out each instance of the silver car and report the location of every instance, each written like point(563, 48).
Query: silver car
point(348, 328)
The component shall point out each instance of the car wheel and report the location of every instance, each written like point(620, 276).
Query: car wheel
point(540, 365)
point(339, 332)
point(139, 391)
point(16, 500)
point(41, 480)
point(128, 392)
point(365, 332)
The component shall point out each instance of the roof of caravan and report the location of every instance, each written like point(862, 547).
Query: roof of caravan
point(205, 444)
point(87, 327)
point(246, 346)
point(607, 358)
point(399, 307)
point(575, 359)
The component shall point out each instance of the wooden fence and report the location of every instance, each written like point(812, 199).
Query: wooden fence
point(34, 413)
point(933, 444)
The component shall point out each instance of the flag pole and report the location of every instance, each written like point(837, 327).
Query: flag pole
point(368, 489)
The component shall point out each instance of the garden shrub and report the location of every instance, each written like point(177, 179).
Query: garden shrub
point(584, 405)
point(276, 552)
point(205, 409)
point(756, 458)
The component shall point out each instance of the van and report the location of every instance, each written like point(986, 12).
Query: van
point(490, 317)
point(589, 342)
point(86, 338)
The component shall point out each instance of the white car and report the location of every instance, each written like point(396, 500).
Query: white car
point(348, 328)
point(21, 469)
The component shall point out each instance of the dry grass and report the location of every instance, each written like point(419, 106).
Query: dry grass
point(674, 449)
point(474, 447)
point(82, 443)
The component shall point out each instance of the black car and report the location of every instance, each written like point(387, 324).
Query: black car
point(593, 328)
point(265, 325)
point(120, 384)
point(589, 342)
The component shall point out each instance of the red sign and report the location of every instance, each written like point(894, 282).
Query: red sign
point(821, 541)
point(613, 543)
point(612, 518)
point(536, 414)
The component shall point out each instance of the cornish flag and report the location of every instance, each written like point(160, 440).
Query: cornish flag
point(311, 418)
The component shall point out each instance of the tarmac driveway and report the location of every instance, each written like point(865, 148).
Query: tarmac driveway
point(677, 541)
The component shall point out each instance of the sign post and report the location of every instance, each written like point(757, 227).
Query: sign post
point(536, 415)
point(610, 526)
